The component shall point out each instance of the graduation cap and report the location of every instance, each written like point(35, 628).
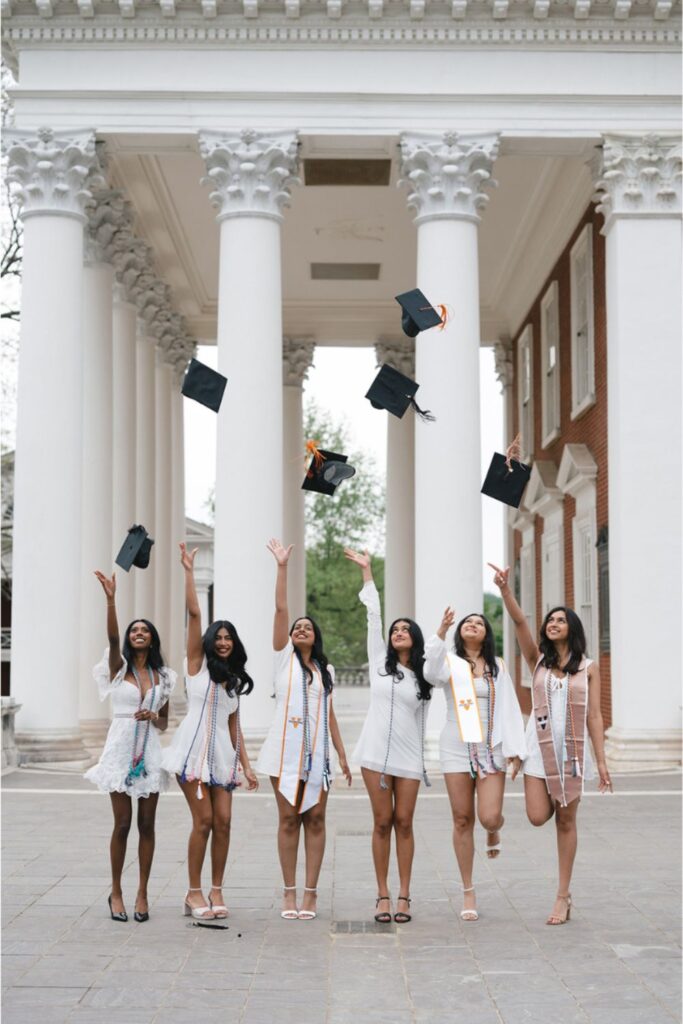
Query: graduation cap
point(204, 385)
point(393, 391)
point(418, 313)
point(136, 549)
point(506, 480)
point(326, 471)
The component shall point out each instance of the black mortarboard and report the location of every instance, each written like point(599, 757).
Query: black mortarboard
point(326, 472)
point(204, 385)
point(394, 392)
point(418, 313)
point(505, 483)
point(136, 549)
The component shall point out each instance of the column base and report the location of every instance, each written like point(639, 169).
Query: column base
point(646, 750)
point(54, 750)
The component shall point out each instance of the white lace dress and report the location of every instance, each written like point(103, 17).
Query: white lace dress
point(111, 772)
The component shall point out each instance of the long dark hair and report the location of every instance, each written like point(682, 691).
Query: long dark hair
point(415, 661)
point(155, 659)
point(576, 641)
point(229, 672)
point(317, 654)
point(488, 647)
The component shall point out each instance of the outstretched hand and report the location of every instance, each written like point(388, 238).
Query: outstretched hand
point(446, 623)
point(500, 575)
point(362, 560)
point(108, 585)
point(279, 552)
point(187, 557)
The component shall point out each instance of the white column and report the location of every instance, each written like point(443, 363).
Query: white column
point(297, 357)
point(640, 196)
point(399, 565)
point(176, 641)
point(97, 467)
point(145, 466)
point(250, 174)
point(160, 564)
point(124, 457)
point(505, 374)
point(446, 175)
point(49, 170)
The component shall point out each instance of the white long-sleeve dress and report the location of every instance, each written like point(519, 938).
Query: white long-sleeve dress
point(401, 753)
point(111, 773)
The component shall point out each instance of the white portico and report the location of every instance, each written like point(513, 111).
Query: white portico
point(244, 193)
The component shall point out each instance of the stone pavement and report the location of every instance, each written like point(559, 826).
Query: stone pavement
point(616, 962)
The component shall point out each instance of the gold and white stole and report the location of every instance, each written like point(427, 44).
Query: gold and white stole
point(465, 700)
point(292, 752)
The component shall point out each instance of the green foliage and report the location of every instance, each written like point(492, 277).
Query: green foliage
point(333, 585)
point(493, 610)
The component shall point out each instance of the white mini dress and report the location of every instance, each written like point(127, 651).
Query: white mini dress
point(404, 757)
point(111, 772)
point(201, 746)
point(533, 765)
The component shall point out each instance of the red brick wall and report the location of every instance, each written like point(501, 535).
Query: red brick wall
point(590, 428)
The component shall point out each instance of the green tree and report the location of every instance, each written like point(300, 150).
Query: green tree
point(493, 610)
point(353, 517)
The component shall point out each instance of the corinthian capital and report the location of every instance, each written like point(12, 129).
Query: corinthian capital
point(250, 173)
point(48, 170)
point(398, 353)
point(639, 176)
point(297, 359)
point(447, 173)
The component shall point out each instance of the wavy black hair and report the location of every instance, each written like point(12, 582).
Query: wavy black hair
point(317, 654)
point(488, 648)
point(155, 659)
point(229, 672)
point(576, 641)
point(415, 661)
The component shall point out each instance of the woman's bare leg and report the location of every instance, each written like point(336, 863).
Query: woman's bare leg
point(122, 807)
point(314, 846)
point(460, 789)
point(147, 809)
point(221, 804)
point(289, 827)
point(405, 798)
point(490, 792)
point(382, 803)
point(565, 824)
point(202, 817)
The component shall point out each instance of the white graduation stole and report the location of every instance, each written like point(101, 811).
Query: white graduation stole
point(465, 700)
point(293, 751)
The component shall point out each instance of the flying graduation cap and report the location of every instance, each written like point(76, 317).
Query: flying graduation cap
point(326, 471)
point(507, 476)
point(204, 385)
point(418, 313)
point(136, 549)
point(393, 391)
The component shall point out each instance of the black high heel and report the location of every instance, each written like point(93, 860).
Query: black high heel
point(140, 917)
point(120, 915)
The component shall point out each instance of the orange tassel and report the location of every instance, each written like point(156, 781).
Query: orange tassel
point(445, 315)
point(312, 450)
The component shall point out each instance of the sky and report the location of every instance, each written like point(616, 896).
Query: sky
point(333, 380)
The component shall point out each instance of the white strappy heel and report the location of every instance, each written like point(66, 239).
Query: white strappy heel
point(219, 909)
point(198, 913)
point(308, 915)
point(469, 915)
point(289, 915)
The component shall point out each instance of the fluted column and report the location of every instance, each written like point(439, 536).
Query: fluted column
point(250, 174)
point(124, 325)
point(145, 466)
point(639, 193)
point(297, 356)
point(505, 376)
point(399, 566)
point(163, 492)
point(446, 174)
point(48, 171)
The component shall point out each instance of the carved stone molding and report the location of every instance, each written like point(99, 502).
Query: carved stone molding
point(398, 352)
point(48, 170)
point(446, 173)
point(250, 173)
point(639, 176)
point(109, 215)
point(504, 363)
point(297, 359)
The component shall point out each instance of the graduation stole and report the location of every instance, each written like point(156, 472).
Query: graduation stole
point(301, 755)
point(465, 700)
point(564, 778)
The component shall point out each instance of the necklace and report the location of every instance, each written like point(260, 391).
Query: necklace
point(136, 768)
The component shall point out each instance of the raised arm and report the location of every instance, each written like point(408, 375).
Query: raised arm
point(109, 588)
point(527, 644)
point(195, 649)
point(281, 620)
point(435, 668)
point(370, 598)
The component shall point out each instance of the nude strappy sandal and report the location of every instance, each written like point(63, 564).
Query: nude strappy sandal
point(308, 915)
point(198, 913)
point(219, 909)
point(289, 915)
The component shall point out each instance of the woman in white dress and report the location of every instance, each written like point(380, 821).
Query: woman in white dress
point(135, 677)
point(390, 749)
point(296, 752)
point(565, 692)
point(208, 748)
point(482, 734)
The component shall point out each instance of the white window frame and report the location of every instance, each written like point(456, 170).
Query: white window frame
point(527, 596)
point(550, 375)
point(525, 401)
point(552, 575)
point(583, 335)
point(585, 558)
